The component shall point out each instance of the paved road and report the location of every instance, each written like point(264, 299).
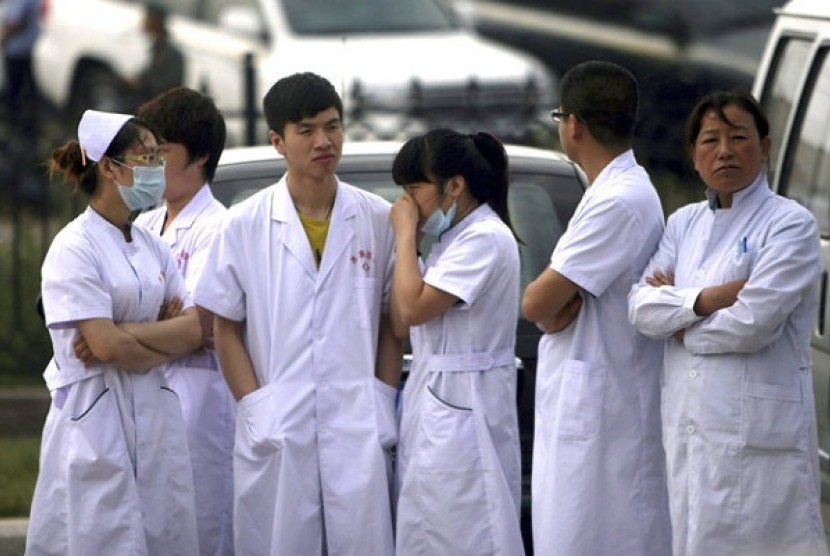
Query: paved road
point(12, 536)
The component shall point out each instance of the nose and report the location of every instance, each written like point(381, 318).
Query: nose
point(724, 148)
point(322, 139)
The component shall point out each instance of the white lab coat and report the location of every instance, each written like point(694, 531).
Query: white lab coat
point(310, 472)
point(599, 483)
point(459, 471)
point(207, 404)
point(115, 475)
point(738, 417)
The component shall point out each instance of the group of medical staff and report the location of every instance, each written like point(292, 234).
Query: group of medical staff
point(228, 381)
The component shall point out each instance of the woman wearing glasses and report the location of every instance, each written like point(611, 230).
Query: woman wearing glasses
point(115, 475)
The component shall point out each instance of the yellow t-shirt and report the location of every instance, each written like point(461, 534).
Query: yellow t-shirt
point(316, 230)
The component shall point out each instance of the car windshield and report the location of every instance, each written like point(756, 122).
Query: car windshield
point(341, 17)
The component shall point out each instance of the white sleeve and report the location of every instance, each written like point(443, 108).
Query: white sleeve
point(595, 249)
point(72, 286)
point(220, 287)
point(659, 312)
point(464, 267)
point(787, 267)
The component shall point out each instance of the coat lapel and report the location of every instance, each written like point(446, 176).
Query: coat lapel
point(290, 230)
point(341, 231)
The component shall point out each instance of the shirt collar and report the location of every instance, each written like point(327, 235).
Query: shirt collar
point(620, 164)
point(747, 195)
point(200, 201)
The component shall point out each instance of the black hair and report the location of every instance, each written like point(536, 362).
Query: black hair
point(717, 101)
point(182, 115)
point(69, 161)
point(606, 97)
point(156, 10)
point(296, 97)
point(442, 154)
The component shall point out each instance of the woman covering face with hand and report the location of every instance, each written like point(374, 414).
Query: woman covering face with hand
point(733, 290)
point(458, 452)
point(115, 476)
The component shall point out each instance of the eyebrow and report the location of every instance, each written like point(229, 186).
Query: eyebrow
point(731, 126)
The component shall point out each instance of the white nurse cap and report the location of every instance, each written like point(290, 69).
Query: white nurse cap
point(96, 130)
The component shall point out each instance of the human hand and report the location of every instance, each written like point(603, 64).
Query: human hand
point(404, 215)
point(659, 279)
point(170, 309)
point(715, 298)
point(83, 351)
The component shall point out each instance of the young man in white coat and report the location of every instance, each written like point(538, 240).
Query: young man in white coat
point(599, 482)
point(298, 279)
point(192, 134)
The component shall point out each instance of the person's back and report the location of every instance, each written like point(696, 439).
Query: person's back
point(597, 453)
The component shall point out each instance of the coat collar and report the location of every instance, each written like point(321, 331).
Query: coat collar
point(293, 236)
point(749, 196)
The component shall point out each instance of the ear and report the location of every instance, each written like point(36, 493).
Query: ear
point(107, 168)
point(577, 129)
point(276, 141)
point(456, 186)
point(693, 159)
point(766, 144)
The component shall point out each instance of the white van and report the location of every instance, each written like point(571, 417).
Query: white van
point(793, 86)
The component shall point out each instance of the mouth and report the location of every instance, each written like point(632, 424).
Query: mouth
point(727, 168)
point(325, 158)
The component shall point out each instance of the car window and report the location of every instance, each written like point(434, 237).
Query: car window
point(806, 175)
point(328, 17)
point(536, 222)
point(783, 84)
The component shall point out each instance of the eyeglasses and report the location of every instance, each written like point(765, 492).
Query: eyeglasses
point(149, 159)
point(558, 115)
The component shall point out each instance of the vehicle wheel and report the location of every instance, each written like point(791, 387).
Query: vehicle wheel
point(98, 88)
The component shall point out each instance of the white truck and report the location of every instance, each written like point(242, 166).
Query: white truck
point(401, 66)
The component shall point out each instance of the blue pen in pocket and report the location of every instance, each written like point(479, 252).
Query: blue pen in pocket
point(742, 246)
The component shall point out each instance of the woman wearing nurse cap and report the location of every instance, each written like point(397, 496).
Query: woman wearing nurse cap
point(115, 476)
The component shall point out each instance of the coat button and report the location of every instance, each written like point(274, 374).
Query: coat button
point(691, 429)
point(693, 373)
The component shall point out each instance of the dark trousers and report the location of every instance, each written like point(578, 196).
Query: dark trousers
point(21, 96)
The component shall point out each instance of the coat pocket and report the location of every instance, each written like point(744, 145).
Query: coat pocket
point(386, 414)
point(773, 417)
point(580, 402)
point(257, 419)
point(446, 478)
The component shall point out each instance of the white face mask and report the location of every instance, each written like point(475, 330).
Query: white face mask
point(439, 221)
point(148, 186)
